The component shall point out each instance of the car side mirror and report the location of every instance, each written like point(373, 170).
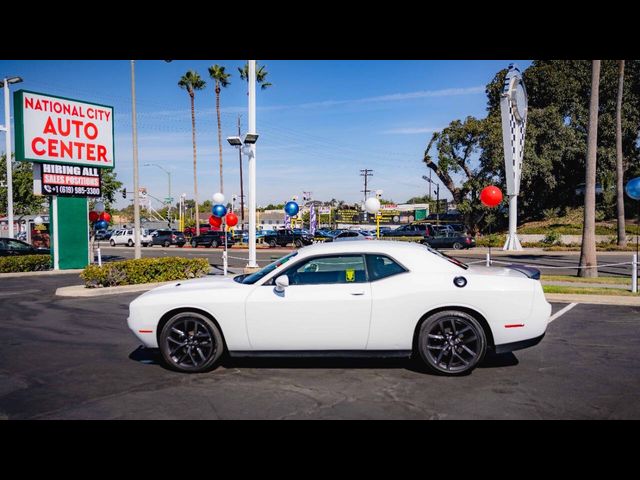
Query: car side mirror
point(281, 283)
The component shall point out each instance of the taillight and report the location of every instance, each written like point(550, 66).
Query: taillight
point(468, 240)
point(173, 237)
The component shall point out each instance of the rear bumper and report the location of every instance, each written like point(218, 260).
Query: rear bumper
point(510, 347)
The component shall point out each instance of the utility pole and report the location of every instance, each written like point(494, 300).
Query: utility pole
point(366, 173)
point(136, 202)
point(241, 183)
point(252, 167)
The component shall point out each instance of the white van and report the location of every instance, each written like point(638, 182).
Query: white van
point(123, 236)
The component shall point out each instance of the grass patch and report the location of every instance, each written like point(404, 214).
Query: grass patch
point(571, 278)
point(588, 291)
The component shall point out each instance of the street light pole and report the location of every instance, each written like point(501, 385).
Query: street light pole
point(252, 166)
point(136, 193)
point(169, 199)
point(241, 182)
point(7, 130)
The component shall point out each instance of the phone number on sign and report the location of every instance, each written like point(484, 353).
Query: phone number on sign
point(62, 189)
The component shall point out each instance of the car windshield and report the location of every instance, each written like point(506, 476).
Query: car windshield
point(455, 261)
point(254, 277)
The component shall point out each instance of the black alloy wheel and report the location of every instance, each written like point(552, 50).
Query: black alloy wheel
point(190, 342)
point(452, 342)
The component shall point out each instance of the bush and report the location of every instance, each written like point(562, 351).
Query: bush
point(144, 270)
point(552, 238)
point(494, 240)
point(25, 263)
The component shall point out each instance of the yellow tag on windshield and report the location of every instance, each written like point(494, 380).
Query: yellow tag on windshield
point(350, 275)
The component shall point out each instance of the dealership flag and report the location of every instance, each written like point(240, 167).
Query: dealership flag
point(287, 221)
point(312, 220)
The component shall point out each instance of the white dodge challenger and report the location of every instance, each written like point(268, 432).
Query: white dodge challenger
point(360, 298)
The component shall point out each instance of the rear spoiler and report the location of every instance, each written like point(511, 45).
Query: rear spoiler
point(530, 272)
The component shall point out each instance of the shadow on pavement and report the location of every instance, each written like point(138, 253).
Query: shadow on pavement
point(152, 356)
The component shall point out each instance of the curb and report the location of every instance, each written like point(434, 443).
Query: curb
point(82, 291)
point(593, 299)
point(40, 274)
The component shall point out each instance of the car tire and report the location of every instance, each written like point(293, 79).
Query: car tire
point(145, 245)
point(130, 243)
point(272, 244)
point(457, 246)
point(298, 243)
point(180, 245)
point(166, 244)
point(194, 244)
point(112, 243)
point(452, 343)
point(201, 348)
point(214, 244)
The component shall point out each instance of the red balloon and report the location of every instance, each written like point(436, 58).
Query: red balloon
point(215, 221)
point(232, 219)
point(105, 216)
point(93, 216)
point(491, 196)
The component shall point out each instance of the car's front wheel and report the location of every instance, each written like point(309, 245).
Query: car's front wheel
point(457, 246)
point(214, 243)
point(190, 342)
point(112, 243)
point(452, 342)
point(272, 244)
point(298, 243)
point(130, 243)
point(166, 244)
point(194, 244)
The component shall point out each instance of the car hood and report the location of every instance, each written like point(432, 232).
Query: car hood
point(212, 282)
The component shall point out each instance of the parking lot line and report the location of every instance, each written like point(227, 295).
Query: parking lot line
point(559, 313)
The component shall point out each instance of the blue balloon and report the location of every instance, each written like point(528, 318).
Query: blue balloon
point(219, 210)
point(291, 208)
point(101, 225)
point(633, 188)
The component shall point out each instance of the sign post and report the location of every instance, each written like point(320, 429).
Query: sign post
point(513, 108)
point(69, 141)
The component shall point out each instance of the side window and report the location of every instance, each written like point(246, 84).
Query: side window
point(380, 266)
point(15, 245)
point(3, 244)
point(329, 270)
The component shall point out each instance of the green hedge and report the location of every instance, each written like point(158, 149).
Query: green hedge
point(25, 263)
point(144, 270)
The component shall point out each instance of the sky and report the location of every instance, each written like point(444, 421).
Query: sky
point(319, 124)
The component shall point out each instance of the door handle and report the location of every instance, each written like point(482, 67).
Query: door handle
point(357, 293)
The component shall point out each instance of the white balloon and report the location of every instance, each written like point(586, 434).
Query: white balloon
point(218, 198)
point(372, 205)
point(38, 220)
point(99, 207)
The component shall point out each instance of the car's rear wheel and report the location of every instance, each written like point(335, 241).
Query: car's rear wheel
point(112, 243)
point(214, 243)
point(130, 243)
point(191, 342)
point(452, 342)
point(298, 243)
point(457, 245)
point(194, 244)
point(180, 245)
point(272, 243)
point(166, 243)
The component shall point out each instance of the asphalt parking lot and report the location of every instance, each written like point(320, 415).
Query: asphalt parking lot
point(67, 358)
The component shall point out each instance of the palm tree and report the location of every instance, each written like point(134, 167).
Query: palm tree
point(217, 73)
point(622, 236)
point(191, 82)
point(261, 75)
point(588, 256)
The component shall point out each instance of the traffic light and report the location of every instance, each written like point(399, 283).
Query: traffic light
point(124, 193)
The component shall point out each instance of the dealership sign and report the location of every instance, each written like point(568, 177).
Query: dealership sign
point(64, 131)
point(67, 180)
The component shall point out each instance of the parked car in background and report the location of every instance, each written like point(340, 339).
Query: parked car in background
point(191, 231)
point(168, 237)
point(323, 236)
point(122, 236)
point(103, 234)
point(353, 235)
point(448, 239)
point(12, 247)
point(284, 237)
point(212, 238)
point(416, 230)
point(240, 235)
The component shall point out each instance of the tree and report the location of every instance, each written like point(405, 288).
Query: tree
point(191, 82)
point(24, 201)
point(622, 235)
point(221, 79)
point(261, 75)
point(588, 256)
point(110, 187)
